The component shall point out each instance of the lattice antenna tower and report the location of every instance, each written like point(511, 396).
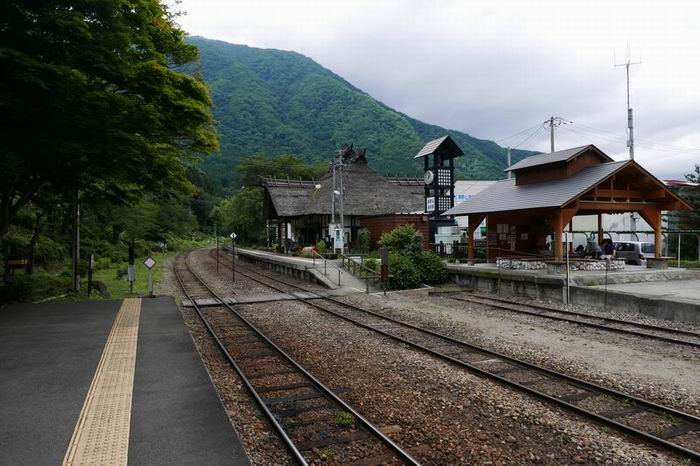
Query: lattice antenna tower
point(630, 120)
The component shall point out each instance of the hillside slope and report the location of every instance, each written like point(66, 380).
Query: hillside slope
point(275, 102)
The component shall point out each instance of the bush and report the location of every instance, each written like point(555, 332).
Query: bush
point(322, 247)
point(403, 239)
point(404, 274)
point(364, 240)
point(431, 268)
point(371, 263)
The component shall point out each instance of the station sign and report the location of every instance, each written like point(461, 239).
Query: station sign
point(430, 204)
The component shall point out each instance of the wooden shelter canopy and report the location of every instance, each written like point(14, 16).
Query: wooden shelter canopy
point(578, 181)
point(612, 187)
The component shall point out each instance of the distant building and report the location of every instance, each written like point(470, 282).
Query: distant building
point(300, 211)
point(465, 190)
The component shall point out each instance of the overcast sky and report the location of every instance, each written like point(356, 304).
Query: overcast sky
point(495, 68)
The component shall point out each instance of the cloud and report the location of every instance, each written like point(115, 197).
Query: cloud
point(494, 68)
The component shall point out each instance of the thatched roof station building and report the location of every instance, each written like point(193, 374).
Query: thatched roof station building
point(548, 190)
point(302, 209)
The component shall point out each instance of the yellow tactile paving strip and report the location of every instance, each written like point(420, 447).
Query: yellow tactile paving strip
point(101, 435)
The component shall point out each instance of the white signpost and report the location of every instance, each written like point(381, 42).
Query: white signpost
point(233, 236)
point(149, 263)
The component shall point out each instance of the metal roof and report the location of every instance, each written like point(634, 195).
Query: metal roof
point(505, 195)
point(432, 146)
point(553, 157)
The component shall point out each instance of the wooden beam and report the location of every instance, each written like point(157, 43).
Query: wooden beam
point(653, 217)
point(610, 207)
point(474, 220)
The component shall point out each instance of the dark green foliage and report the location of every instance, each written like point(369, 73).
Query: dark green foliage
point(251, 168)
point(403, 239)
point(91, 102)
point(38, 286)
point(371, 263)
point(275, 102)
point(431, 268)
point(242, 214)
point(322, 247)
point(364, 240)
point(403, 272)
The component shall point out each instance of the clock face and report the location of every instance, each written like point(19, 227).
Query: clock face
point(429, 177)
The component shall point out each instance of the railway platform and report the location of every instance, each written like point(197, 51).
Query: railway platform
point(325, 274)
point(107, 382)
point(664, 293)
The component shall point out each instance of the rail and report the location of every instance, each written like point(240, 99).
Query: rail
point(683, 422)
point(294, 449)
point(353, 266)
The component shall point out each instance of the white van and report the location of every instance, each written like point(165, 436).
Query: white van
point(634, 252)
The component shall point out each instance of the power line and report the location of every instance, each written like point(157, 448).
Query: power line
point(538, 130)
point(517, 134)
point(645, 142)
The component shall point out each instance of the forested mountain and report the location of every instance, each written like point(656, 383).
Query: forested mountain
point(275, 102)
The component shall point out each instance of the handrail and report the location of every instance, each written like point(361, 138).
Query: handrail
point(369, 274)
point(325, 264)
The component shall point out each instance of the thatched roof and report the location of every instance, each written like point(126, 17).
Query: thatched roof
point(365, 193)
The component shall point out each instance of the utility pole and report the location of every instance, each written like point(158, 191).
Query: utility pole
point(508, 161)
point(333, 193)
point(342, 217)
point(76, 244)
point(551, 134)
point(553, 122)
point(630, 125)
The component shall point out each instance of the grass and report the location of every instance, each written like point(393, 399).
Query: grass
point(344, 419)
point(119, 287)
point(56, 284)
point(686, 264)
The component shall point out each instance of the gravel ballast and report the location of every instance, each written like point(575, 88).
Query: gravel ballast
point(442, 414)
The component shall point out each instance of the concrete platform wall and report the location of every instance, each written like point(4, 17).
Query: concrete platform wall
point(291, 269)
point(553, 288)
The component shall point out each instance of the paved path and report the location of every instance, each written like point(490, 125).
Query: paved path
point(674, 290)
point(63, 366)
point(348, 282)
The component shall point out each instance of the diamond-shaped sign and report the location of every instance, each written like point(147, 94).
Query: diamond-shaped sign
point(233, 236)
point(149, 262)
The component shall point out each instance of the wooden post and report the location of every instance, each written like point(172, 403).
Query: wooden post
point(652, 216)
point(600, 229)
point(470, 240)
point(558, 227)
point(571, 236)
point(474, 221)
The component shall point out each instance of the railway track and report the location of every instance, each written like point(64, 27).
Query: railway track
point(659, 425)
point(308, 416)
point(638, 329)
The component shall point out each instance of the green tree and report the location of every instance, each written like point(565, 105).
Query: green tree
point(242, 213)
point(404, 239)
point(692, 195)
point(251, 168)
point(91, 102)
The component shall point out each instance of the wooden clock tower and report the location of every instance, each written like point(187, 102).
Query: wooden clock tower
point(439, 174)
